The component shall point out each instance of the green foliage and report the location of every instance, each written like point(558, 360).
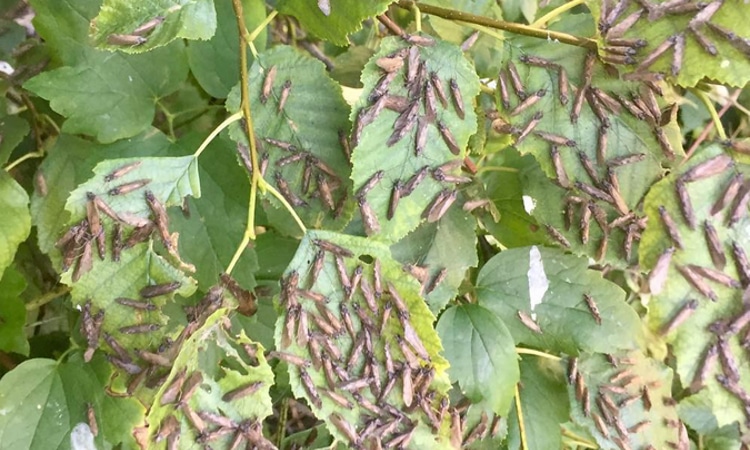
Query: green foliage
point(345, 224)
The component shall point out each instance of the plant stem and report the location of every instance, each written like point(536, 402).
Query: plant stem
point(460, 16)
point(528, 351)
point(46, 298)
point(704, 134)
point(283, 413)
point(256, 177)
point(417, 17)
point(23, 158)
point(521, 424)
point(712, 111)
point(556, 12)
point(228, 121)
point(577, 440)
point(391, 25)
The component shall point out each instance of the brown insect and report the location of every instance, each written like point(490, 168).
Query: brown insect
point(129, 187)
point(538, 62)
point(716, 275)
point(624, 25)
point(686, 206)
point(580, 96)
point(729, 193)
point(658, 276)
point(458, 102)
point(739, 207)
point(708, 168)
point(562, 86)
point(715, 248)
point(742, 263)
point(370, 183)
point(528, 102)
point(561, 175)
point(125, 40)
point(515, 79)
point(529, 127)
point(438, 86)
point(85, 262)
point(439, 205)
point(697, 282)
point(159, 289)
point(502, 82)
point(683, 314)
point(528, 321)
point(95, 225)
point(671, 227)
point(141, 328)
point(369, 219)
point(439, 278)
point(135, 304)
point(448, 138)
point(591, 304)
point(122, 170)
point(268, 84)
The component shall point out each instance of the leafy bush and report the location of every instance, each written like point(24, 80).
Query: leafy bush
point(436, 224)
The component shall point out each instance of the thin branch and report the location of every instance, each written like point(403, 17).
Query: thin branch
point(540, 22)
point(707, 129)
point(521, 423)
point(46, 298)
point(391, 25)
point(460, 16)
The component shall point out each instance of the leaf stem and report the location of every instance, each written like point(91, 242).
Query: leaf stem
point(228, 121)
point(460, 16)
point(417, 17)
point(497, 169)
point(540, 22)
point(521, 424)
point(283, 413)
point(46, 298)
point(30, 155)
point(577, 440)
point(528, 351)
point(704, 134)
point(711, 110)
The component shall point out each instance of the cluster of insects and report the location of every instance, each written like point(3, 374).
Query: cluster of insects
point(624, 390)
point(209, 426)
point(88, 235)
point(138, 36)
point(733, 200)
point(602, 183)
point(318, 179)
point(340, 354)
point(614, 23)
point(426, 98)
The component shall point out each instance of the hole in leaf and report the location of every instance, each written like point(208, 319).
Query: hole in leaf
point(367, 259)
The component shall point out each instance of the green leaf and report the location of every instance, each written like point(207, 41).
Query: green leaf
point(217, 219)
point(544, 405)
point(13, 129)
point(344, 17)
point(700, 329)
point(138, 267)
point(70, 163)
point(516, 228)
point(45, 405)
point(16, 224)
point(234, 382)
point(639, 388)
point(546, 284)
point(445, 249)
point(214, 62)
point(401, 161)
point(312, 120)
point(724, 55)
point(487, 51)
point(409, 322)
point(170, 179)
point(112, 96)
point(64, 25)
point(548, 125)
point(487, 370)
point(13, 313)
point(187, 19)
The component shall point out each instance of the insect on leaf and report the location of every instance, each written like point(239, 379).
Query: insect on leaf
point(419, 100)
point(540, 295)
point(359, 342)
point(300, 118)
